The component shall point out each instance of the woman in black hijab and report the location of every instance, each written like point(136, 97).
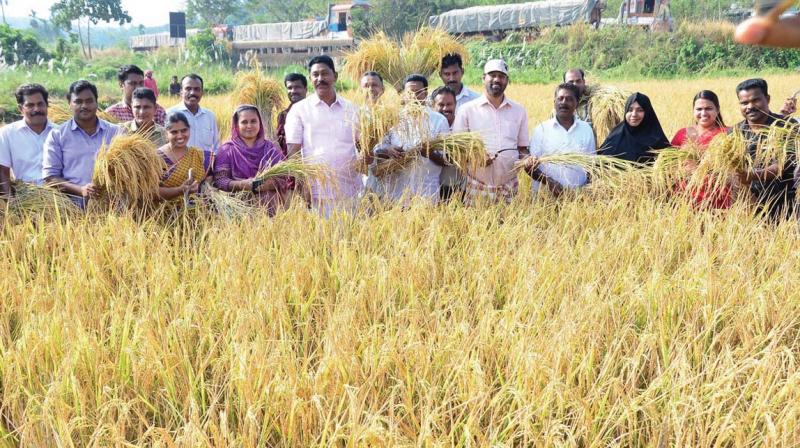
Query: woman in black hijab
point(640, 133)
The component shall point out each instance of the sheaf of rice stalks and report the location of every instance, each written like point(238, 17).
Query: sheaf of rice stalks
point(39, 202)
point(128, 169)
point(606, 108)
point(267, 94)
point(419, 52)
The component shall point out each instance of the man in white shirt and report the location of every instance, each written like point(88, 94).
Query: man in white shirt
point(202, 122)
point(563, 134)
point(22, 142)
point(452, 182)
point(322, 128)
point(418, 123)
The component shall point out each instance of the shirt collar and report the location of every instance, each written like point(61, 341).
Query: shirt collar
point(102, 125)
point(556, 125)
point(182, 107)
point(22, 125)
point(465, 92)
point(316, 101)
point(485, 100)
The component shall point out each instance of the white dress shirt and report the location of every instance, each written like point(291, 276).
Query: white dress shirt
point(22, 150)
point(550, 137)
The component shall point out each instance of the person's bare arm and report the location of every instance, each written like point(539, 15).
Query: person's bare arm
point(86, 191)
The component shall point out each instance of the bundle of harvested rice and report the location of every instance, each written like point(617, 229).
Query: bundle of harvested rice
point(128, 170)
point(267, 94)
point(673, 165)
point(596, 166)
point(38, 201)
point(60, 114)
point(606, 109)
point(465, 150)
point(375, 120)
point(228, 205)
point(296, 167)
point(420, 52)
point(389, 166)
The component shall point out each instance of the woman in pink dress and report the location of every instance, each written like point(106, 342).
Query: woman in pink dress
point(708, 124)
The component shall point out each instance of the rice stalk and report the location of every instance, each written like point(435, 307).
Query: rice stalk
point(672, 164)
point(606, 108)
point(59, 114)
point(420, 52)
point(596, 166)
point(268, 95)
point(228, 205)
point(297, 167)
point(375, 120)
point(39, 202)
point(128, 170)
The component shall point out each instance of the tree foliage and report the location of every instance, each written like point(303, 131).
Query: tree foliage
point(65, 12)
point(212, 12)
point(19, 47)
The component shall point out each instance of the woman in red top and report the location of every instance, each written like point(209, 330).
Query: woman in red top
point(708, 124)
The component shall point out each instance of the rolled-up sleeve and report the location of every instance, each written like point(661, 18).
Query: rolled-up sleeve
point(53, 156)
point(294, 127)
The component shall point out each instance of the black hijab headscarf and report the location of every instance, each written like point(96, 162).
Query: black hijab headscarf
point(634, 144)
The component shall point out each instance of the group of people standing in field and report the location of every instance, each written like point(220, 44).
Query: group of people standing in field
point(323, 127)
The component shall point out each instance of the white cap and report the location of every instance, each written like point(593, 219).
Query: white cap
point(495, 65)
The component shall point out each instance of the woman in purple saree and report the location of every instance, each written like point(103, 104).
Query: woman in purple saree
point(248, 152)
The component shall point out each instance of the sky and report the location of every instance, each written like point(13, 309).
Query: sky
point(145, 12)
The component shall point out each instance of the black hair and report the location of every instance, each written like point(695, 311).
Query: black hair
point(79, 86)
point(194, 76)
point(143, 93)
point(246, 108)
point(375, 74)
point(175, 117)
point(416, 77)
point(755, 83)
point(292, 77)
point(571, 87)
point(710, 96)
point(125, 70)
point(579, 70)
point(30, 89)
point(443, 90)
point(322, 59)
point(453, 59)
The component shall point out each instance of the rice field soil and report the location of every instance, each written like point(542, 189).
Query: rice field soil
point(612, 317)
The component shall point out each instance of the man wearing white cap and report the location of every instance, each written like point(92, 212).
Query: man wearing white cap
point(503, 124)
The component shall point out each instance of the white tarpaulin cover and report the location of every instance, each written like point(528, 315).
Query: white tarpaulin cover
point(279, 31)
point(479, 19)
point(158, 40)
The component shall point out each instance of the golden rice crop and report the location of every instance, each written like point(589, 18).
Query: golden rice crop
point(413, 325)
point(39, 202)
point(465, 150)
point(59, 114)
point(299, 168)
point(607, 109)
point(375, 120)
point(128, 170)
point(420, 52)
point(227, 205)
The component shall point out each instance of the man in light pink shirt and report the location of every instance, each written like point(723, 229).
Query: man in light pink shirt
point(503, 124)
point(322, 128)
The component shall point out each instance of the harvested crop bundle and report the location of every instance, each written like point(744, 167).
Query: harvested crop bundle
point(128, 170)
point(420, 52)
point(36, 201)
point(606, 108)
point(298, 168)
point(267, 94)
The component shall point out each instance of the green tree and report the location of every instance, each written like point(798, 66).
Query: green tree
point(20, 47)
point(65, 12)
point(212, 12)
